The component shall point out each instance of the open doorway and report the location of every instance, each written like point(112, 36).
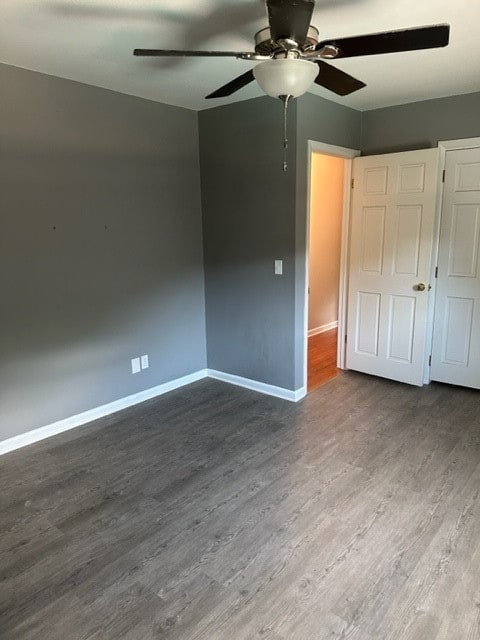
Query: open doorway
point(328, 209)
point(326, 213)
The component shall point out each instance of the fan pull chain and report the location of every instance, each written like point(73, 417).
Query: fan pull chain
point(285, 100)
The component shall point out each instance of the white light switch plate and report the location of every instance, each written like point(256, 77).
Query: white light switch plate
point(278, 267)
point(144, 361)
point(135, 365)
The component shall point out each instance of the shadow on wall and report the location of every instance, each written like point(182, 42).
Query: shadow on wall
point(422, 144)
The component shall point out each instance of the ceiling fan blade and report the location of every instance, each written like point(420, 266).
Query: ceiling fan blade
point(390, 41)
point(289, 19)
point(233, 85)
point(190, 54)
point(336, 80)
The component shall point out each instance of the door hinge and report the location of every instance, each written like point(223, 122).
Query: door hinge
point(429, 361)
point(345, 338)
point(443, 175)
point(353, 183)
point(436, 272)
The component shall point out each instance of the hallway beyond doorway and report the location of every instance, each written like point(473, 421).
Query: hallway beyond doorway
point(322, 358)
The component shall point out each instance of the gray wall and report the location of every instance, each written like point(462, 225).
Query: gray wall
point(420, 125)
point(248, 206)
point(101, 247)
point(253, 213)
point(322, 121)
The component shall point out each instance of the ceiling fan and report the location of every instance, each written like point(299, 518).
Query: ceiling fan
point(292, 56)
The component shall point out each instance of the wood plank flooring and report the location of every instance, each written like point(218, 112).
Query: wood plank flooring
point(322, 358)
point(217, 513)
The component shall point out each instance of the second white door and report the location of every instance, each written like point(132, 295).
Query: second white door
point(456, 335)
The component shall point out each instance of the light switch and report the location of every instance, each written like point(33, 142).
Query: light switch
point(144, 361)
point(278, 267)
point(135, 365)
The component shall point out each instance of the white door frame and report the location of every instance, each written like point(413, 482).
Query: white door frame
point(443, 147)
point(348, 154)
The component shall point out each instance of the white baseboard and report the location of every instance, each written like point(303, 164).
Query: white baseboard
point(80, 419)
point(322, 328)
point(261, 387)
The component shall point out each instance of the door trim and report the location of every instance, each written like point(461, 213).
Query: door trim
point(314, 146)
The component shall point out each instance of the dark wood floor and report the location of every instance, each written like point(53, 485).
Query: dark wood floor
point(215, 513)
point(322, 358)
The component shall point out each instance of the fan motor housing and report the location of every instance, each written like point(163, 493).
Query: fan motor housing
point(265, 46)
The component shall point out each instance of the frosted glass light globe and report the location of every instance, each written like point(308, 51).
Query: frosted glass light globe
point(285, 76)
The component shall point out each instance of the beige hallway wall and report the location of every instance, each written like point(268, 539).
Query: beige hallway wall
point(326, 210)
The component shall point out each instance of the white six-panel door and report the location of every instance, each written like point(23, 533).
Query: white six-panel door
point(392, 217)
point(456, 335)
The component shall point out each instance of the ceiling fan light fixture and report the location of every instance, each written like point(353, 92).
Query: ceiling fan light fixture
point(285, 76)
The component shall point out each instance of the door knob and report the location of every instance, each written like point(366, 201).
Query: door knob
point(420, 287)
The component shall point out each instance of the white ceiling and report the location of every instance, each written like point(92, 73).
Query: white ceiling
point(91, 41)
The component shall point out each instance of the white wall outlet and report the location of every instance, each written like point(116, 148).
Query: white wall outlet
point(278, 267)
point(135, 365)
point(144, 361)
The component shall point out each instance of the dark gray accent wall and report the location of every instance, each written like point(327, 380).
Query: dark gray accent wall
point(321, 121)
point(420, 125)
point(101, 247)
point(248, 206)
